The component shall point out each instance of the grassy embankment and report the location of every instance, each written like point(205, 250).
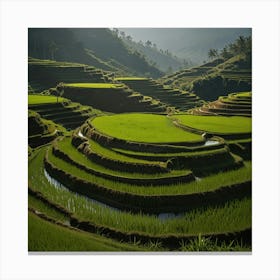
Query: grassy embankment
point(175, 98)
point(234, 104)
point(202, 220)
point(237, 212)
point(46, 236)
point(207, 184)
point(61, 110)
point(111, 97)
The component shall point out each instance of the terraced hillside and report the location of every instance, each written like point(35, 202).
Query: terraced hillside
point(235, 104)
point(41, 131)
point(184, 77)
point(178, 99)
point(235, 130)
point(114, 177)
point(119, 161)
point(59, 110)
point(45, 74)
point(213, 79)
point(116, 98)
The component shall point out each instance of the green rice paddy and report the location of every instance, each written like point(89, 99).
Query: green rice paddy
point(234, 215)
point(94, 85)
point(217, 124)
point(65, 146)
point(244, 94)
point(121, 158)
point(111, 154)
point(96, 166)
point(44, 99)
point(46, 236)
point(130, 78)
point(143, 128)
point(209, 183)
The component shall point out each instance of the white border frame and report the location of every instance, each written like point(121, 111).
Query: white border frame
point(17, 16)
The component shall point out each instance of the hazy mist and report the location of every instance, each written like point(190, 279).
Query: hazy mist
point(188, 43)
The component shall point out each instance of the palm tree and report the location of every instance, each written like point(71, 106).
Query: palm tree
point(148, 43)
point(225, 53)
point(212, 53)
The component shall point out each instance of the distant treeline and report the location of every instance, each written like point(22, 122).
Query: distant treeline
point(241, 46)
point(93, 46)
point(162, 59)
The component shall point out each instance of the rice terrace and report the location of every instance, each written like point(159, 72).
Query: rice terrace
point(133, 148)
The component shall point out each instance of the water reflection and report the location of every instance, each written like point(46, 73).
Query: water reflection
point(58, 185)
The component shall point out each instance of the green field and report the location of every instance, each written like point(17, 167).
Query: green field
point(210, 183)
point(211, 219)
point(44, 99)
point(104, 172)
point(133, 153)
point(47, 62)
point(130, 78)
point(94, 85)
point(112, 154)
point(143, 128)
point(218, 124)
point(47, 236)
point(234, 104)
point(65, 146)
point(60, 110)
point(244, 94)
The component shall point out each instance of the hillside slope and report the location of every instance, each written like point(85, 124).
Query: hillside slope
point(179, 100)
point(93, 46)
point(215, 78)
point(45, 74)
point(189, 43)
point(109, 97)
point(164, 60)
point(235, 104)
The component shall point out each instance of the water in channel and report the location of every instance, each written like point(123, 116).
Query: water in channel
point(57, 184)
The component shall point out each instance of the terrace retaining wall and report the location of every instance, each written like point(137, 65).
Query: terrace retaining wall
point(148, 203)
point(168, 240)
point(112, 142)
point(135, 181)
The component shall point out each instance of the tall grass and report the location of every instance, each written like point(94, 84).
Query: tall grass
point(206, 244)
point(65, 146)
point(42, 207)
point(235, 215)
point(206, 184)
point(114, 155)
point(165, 155)
point(46, 236)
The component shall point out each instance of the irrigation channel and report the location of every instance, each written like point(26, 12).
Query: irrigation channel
point(211, 143)
point(161, 216)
